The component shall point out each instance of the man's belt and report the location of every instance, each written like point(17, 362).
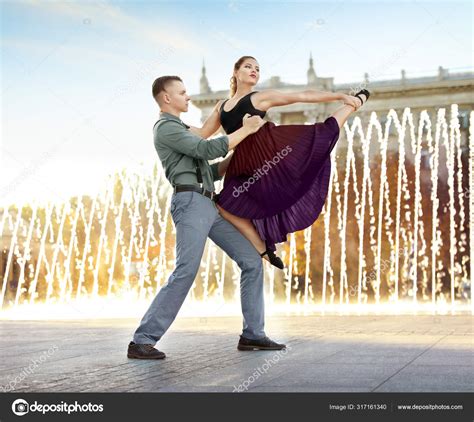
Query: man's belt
point(194, 188)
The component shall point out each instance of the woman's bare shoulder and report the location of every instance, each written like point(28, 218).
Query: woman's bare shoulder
point(259, 98)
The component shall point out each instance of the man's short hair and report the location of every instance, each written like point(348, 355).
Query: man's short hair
point(161, 83)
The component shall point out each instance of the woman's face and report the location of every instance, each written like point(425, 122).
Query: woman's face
point(248, 73)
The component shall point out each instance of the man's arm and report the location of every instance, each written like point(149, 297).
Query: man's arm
point(176, 137)
point(222, 165)
point(218, 169)
point(215, 172)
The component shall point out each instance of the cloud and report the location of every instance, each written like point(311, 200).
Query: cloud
point(69, 51)
point(103, 13)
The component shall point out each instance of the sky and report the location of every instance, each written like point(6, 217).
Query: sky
point(76, 75)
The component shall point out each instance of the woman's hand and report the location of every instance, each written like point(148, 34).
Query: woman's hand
point(351, 100)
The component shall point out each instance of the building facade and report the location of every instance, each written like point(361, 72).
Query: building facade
point(428, 93)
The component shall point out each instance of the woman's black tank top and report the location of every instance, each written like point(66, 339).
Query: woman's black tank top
point(232, 120)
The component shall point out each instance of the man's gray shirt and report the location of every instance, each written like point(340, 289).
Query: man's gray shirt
point(177, 148)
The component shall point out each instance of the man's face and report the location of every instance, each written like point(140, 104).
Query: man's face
point(175, 96)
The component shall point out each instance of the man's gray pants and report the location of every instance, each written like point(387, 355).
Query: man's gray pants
point(196, 217)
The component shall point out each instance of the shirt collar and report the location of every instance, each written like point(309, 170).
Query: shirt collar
point(172, 117)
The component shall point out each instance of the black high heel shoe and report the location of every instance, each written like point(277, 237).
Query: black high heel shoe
point(274, 260)
point(366, 93)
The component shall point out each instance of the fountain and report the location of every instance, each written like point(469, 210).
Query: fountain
point(396, 232)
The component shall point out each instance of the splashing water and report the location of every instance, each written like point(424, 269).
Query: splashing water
point(396, 231)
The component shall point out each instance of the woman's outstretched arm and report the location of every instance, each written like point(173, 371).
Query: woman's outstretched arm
point(263, 100)
point(211, 125)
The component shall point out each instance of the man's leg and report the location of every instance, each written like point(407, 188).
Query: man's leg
point(193, 220)
point(231, 241)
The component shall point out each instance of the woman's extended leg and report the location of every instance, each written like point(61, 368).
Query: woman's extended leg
point(246, 227)
point(342, 113)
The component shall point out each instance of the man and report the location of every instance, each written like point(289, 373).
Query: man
point(184, 158)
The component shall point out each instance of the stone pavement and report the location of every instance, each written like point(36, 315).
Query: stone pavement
point(329, 353)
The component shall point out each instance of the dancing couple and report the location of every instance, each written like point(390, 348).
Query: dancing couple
point(276, 182)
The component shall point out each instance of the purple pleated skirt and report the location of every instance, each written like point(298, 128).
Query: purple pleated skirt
point(279, 177)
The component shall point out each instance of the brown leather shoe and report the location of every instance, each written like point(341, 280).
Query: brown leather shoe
point(144, 351)
point(261, 344)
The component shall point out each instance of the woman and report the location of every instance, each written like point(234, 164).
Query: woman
point(276, 181)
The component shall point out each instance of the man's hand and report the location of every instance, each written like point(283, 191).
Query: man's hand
point(222, 166)
point(252, 123)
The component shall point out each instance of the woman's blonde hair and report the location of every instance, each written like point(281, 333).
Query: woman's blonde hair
point(233, 79)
